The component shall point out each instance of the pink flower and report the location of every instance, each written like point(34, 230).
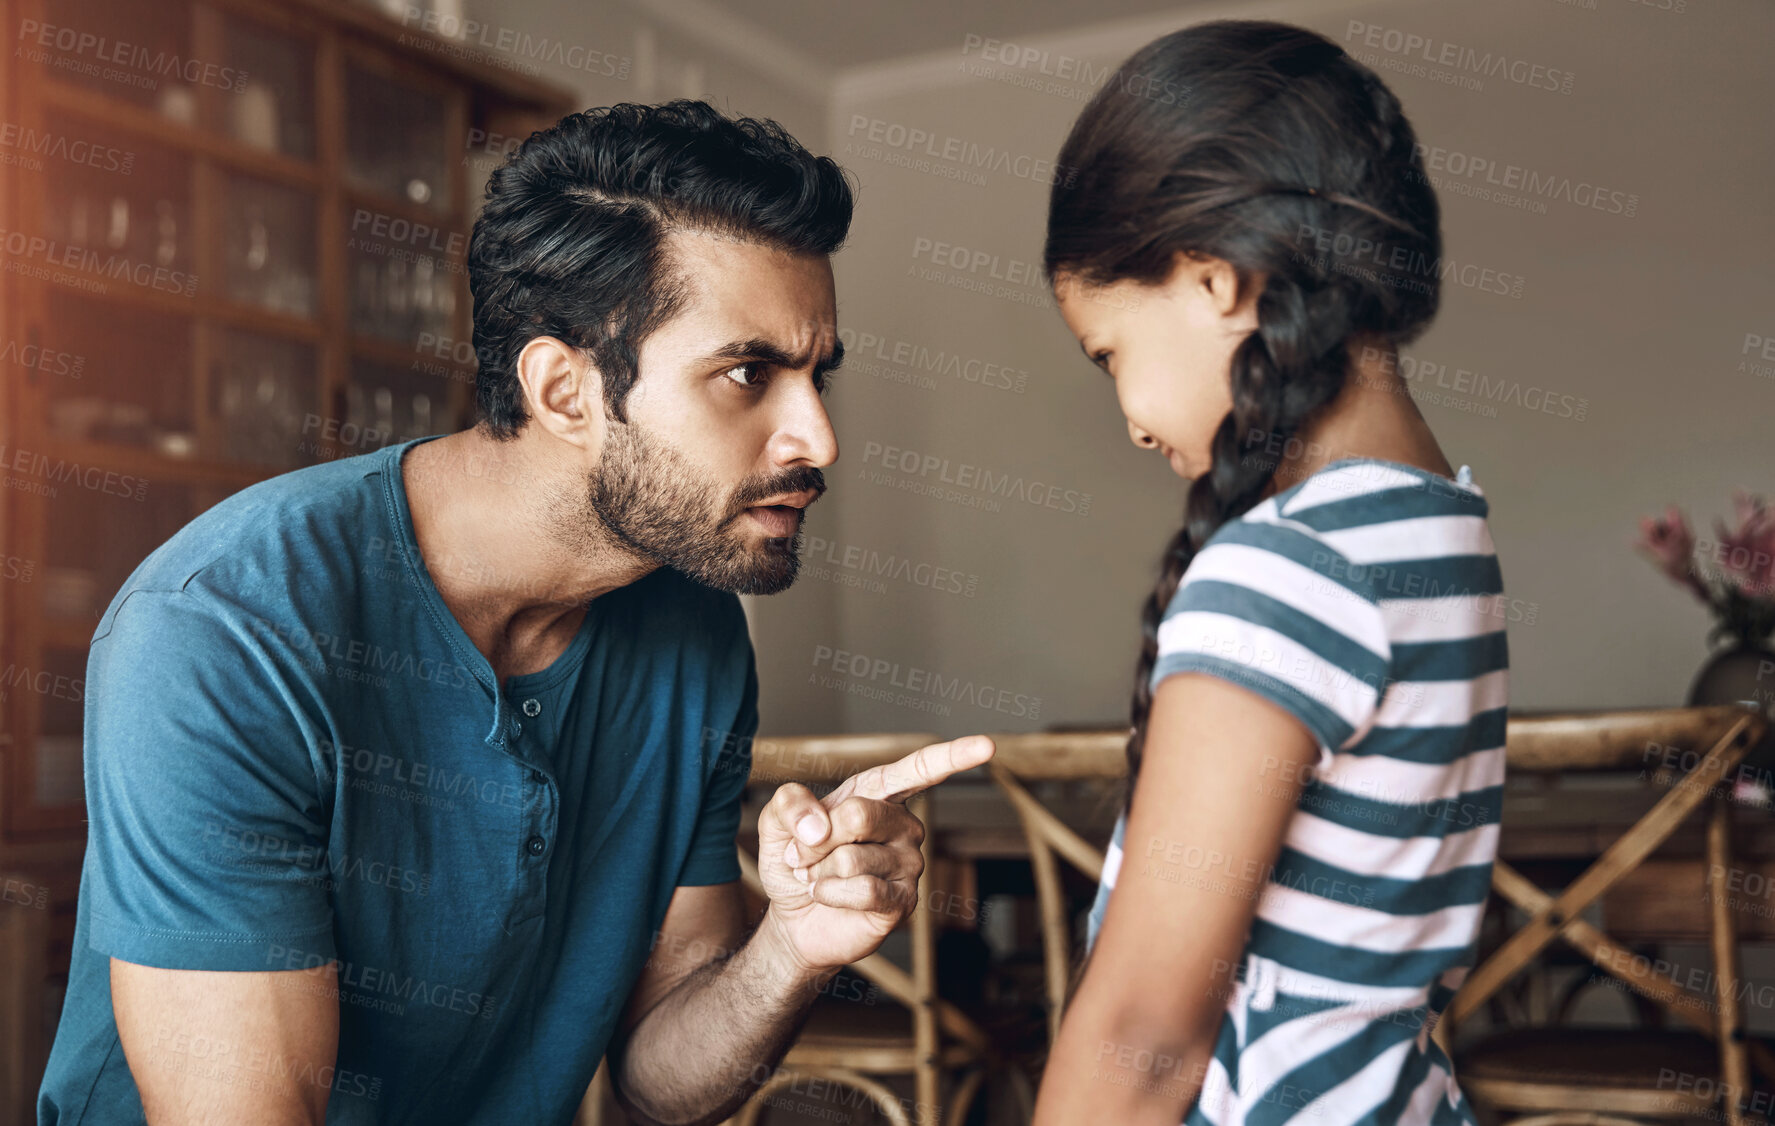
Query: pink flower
point(1747, 555)
point(1670, 545)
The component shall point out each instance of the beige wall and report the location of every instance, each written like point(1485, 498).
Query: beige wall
point(1641, 317)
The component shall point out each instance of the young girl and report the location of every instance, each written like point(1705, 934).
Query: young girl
point(1316, 761)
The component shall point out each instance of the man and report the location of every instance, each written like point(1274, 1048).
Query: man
point(436, 753)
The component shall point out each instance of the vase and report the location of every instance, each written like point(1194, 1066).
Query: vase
point(1741, 673)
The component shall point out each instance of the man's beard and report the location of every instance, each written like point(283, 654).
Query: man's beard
point(652, 502)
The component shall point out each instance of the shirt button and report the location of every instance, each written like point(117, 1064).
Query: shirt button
point(532, 707)
point(537, 846)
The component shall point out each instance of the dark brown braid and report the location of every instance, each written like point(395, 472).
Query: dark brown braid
point(1267, 146)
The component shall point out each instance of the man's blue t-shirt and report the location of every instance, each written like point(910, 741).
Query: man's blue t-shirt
point(294, 754)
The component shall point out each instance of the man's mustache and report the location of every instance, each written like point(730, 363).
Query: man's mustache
point(797, 480)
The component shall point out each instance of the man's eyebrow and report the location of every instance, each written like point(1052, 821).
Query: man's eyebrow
point(766, 351)
point(831, 363)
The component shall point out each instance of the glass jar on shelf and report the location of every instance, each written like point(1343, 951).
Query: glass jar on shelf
point(115, 373)
point(397, 139)
point(266, 392)
point(396, 403)
point(129, 201)
point(140, 49)
point(400, 296)
point(272, 108)
point(268, 252)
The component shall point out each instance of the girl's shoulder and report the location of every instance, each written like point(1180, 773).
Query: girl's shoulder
point(1354, 491)
point(1360, 528)
point(1311, 595)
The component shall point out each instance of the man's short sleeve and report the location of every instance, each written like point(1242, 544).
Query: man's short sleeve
point(207, 823)
point(1275, 609)
point(712, 858)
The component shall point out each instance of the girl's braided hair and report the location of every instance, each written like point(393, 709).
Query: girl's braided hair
point(1269, 147)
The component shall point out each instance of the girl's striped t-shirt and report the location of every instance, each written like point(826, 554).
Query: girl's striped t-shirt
point(1367, 601)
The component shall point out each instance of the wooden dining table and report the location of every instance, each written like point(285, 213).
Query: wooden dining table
point(1551, 823)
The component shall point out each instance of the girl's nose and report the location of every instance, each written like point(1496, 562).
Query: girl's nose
point(1141, 438)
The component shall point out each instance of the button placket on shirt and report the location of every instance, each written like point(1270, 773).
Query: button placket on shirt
point(537, 844)
point(540, 820)
point(532, 708)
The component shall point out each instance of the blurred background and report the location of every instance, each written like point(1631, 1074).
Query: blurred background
point(254, 261)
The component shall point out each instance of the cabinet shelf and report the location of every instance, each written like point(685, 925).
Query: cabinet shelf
point(290, 335)
point(438, 358)
point(220, 310)
point(155, 129)
point(151, 465)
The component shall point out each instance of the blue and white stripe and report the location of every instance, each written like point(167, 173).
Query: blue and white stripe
point(1368, 602)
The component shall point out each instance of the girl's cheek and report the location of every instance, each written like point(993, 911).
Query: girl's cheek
point(1163, 406)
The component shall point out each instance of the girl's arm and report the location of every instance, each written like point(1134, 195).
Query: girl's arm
point(1222, 770)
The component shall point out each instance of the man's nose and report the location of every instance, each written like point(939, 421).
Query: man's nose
point(807, 435)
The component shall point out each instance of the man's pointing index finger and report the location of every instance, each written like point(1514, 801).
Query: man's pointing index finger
point(920, 770)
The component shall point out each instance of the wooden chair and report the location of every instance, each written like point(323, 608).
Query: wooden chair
point(1056, 756)
point(1053, 756)
point(1544, 743)
point(841, 1043)
point(1561, 1075)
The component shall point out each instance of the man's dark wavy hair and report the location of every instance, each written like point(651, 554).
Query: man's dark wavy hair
point(571, 242)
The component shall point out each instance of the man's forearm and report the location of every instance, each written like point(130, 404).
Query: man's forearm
point(714, 1039)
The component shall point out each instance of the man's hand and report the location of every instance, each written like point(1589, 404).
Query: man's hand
point(695, 1053)
point(842, 871)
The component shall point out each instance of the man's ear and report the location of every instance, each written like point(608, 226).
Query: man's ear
point(563, 391)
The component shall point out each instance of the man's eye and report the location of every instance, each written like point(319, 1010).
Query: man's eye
point(754, 374)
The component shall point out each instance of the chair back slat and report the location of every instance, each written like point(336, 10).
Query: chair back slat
point(829, 759)
point(1631, 739)
point(1062, 757)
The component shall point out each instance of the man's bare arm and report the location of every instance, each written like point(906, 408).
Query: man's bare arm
point(214, 1048)
point(714, 1010)
point(840, 872)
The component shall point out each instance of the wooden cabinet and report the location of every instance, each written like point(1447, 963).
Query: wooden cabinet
point(234, 237)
